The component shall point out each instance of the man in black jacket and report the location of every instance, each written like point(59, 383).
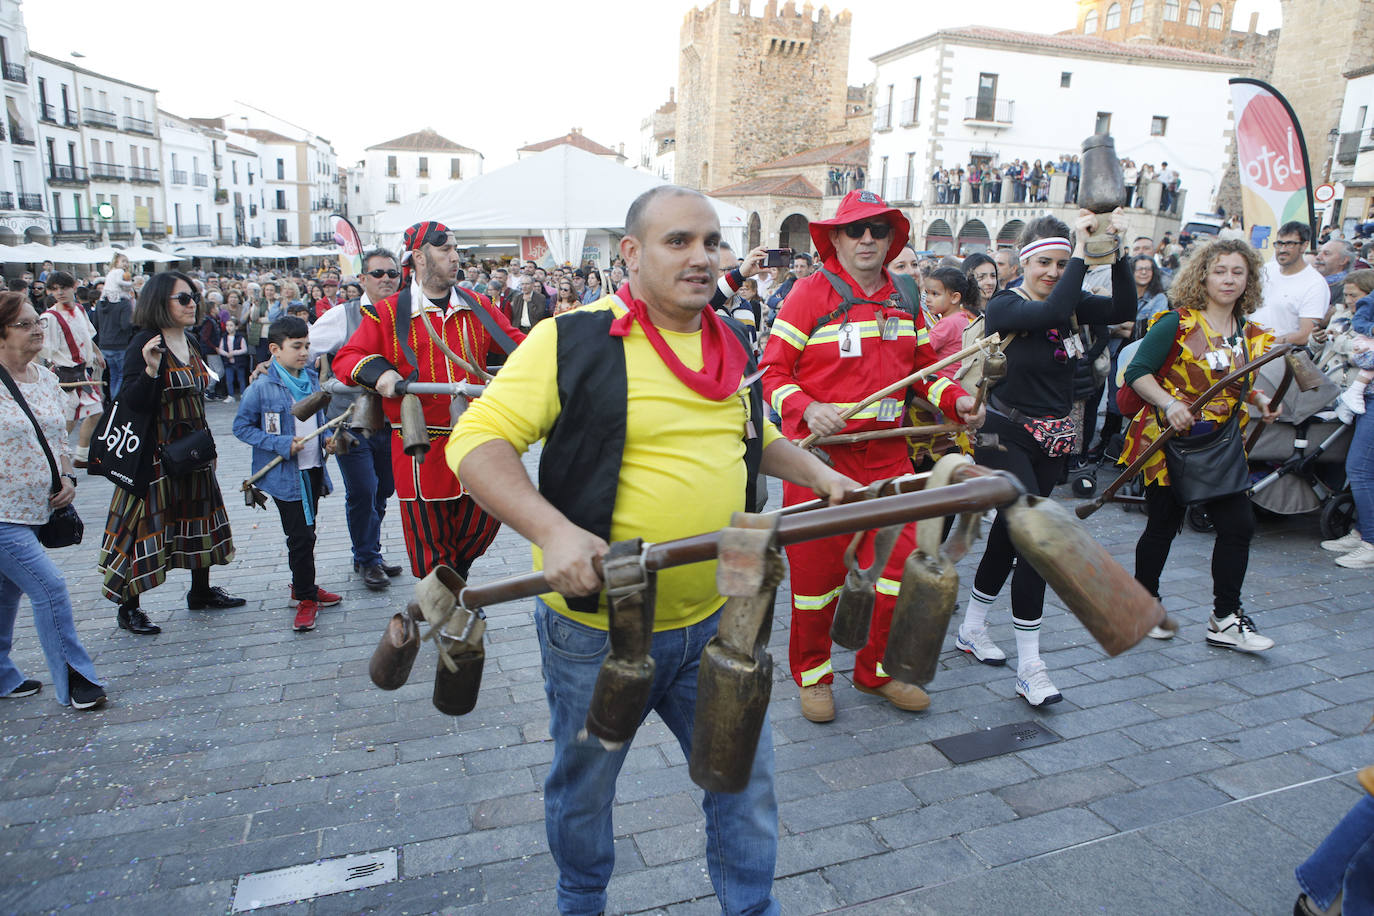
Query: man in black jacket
point(114, 327)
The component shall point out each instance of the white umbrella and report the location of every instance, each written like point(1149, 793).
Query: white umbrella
point(28, 253)
point(138, 255)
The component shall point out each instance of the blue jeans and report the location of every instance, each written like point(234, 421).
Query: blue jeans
point(741, 829)
point(368, 484)
point(1344, 863)
point(235, 379)
point(1359, 470)
point(114, 370)
point(26, 569)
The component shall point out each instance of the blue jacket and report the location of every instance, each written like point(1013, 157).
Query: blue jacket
point(269, 395)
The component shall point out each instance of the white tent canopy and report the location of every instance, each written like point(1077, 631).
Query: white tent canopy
point(560, 194)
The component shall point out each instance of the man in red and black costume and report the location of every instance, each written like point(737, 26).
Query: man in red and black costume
point(843, 333)
point(442, 524)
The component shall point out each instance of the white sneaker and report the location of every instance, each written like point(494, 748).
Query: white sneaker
point(1361, 557)
point(1160, 633)
point(1033, 683)
point(980, 645)
point(1236, 631)
point(1352, 400)
point(1345, 544)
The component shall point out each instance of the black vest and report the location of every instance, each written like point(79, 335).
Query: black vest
point(579, 470)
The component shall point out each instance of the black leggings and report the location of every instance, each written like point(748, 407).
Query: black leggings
point(200, 584)
point(1235, 526)
point(1039, 473)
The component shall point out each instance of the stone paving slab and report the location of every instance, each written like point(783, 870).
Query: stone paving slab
point(1188, 778)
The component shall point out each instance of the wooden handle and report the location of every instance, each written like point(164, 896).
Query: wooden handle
point(913, 377)
point(299, 440)
point(894, 433)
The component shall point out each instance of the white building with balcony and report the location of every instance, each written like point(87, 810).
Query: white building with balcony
point(988, 95)
point(22, 204)
point(402, 170)
point(115, 126)
point(1351, 168)
point(187, 160)
point(299, 181)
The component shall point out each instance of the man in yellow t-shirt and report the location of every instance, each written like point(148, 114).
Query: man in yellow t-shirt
point(648, 433)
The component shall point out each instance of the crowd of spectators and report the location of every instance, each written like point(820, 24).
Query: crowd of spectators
point(981, 181)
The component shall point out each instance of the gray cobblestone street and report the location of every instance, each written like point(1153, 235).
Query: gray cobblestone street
point(1188, 779)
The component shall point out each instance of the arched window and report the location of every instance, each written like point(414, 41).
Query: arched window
point(1194, 13)
point(1113, 17)
point(1171, 10)
point(1214, 16)
point(1137, 11)
point(1090, 23)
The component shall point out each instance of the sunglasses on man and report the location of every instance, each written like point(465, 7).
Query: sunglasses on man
point(879, 231)
point(378, 274)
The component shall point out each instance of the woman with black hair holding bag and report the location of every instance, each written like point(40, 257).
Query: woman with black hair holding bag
point(1042, 324)
point(28, 499)
point(1184, 353)
point(179, 522)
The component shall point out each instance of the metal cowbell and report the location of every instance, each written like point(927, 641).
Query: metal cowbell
point(920, 618)
point(395, 653)
point(930, 587)
point(414, 430)
point(735, 676)
point(1114, 607)
point(310, 405)
point(854, 609)
point(627, 673)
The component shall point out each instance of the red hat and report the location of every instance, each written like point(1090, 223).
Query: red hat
point(856, 207)
point(415, 236)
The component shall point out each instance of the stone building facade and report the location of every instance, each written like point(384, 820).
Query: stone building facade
point(1321, 41)
point(754, 89)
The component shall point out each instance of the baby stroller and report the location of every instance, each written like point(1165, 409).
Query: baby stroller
point(1298, 463)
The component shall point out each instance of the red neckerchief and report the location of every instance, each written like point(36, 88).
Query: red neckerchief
point(722, 359)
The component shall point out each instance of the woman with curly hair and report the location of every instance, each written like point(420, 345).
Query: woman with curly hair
point(1217, 288)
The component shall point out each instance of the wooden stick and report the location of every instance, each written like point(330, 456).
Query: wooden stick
point(894, 433)
point(299, 440)
point(913, 377)
point(1087, 509)
point(90, 383)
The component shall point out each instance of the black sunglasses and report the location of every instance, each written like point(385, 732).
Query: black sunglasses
point(378, 274)
point(186, 298)
point(879, 231)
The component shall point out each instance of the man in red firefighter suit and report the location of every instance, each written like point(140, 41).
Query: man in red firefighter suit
point(843, 333)
point(442, 524)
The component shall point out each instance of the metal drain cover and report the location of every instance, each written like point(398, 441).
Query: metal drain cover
point(317, 879)
point(991, 742)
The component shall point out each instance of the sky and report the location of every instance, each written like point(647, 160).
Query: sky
point(489, 75)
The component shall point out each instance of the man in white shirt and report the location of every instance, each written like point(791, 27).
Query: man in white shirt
point(366, 468)
point(1295, 294)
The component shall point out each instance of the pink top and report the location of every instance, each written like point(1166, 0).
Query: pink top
point(947, 337)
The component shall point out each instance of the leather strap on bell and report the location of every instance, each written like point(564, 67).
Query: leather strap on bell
point(627, 673)
point(743, 550)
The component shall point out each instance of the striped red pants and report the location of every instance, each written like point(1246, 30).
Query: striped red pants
point(445, 532)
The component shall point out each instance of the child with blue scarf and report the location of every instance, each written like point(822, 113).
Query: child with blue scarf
point(265, 422)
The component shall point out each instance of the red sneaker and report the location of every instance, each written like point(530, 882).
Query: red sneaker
point(306, 612)
point(322, 597)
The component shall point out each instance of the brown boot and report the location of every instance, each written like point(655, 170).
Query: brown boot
point(818, 703)
point(903, 696)
point(1366, 777)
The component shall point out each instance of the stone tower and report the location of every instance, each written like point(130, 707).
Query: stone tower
point(751, 90)
point(1320, 40)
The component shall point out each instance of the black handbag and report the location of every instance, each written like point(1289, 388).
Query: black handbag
point(63, 527)
point(1209, 465)
point(192, 452)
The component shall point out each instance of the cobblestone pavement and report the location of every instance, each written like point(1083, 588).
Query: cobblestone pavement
point(1188, 778)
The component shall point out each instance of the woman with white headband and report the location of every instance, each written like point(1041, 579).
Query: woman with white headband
point(1029, 414)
